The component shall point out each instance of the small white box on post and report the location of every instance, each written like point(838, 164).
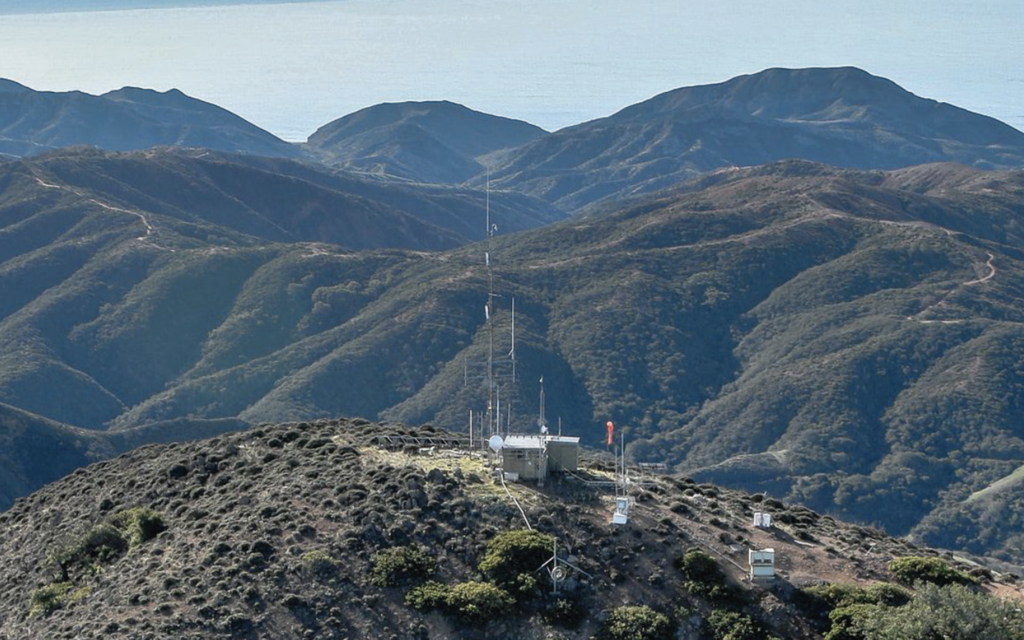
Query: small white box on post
point(621, 515)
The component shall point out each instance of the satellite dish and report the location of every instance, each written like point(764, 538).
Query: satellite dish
point(495, 443)
point(558, 574)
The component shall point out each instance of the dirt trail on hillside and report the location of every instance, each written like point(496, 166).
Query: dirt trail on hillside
point(150, 229)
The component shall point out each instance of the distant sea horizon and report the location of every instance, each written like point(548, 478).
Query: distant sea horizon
point(291, 66)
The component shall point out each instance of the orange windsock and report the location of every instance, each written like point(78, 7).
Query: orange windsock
point(611, 432)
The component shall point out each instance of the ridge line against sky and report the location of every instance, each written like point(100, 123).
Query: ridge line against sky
point(292, 67)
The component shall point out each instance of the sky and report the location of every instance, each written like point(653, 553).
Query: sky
point(292, 68)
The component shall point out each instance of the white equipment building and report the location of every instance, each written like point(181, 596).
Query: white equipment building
point(762, 564)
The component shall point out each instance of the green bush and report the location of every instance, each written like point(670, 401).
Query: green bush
point(913, 569)
point(101, 543)
point(474, 603)
point(105, 541)
point(319, 563)
point(513, 553)
point(846, 621)
point(730, 625)
point(563, 612)
point(48, 599)
point(138, 525)
point(471, 603)
point(427, 596)
point(820, 600)
point(705, 578)
point(886, 594)
point(953, 612)
point(401, 565)
point(636, 623)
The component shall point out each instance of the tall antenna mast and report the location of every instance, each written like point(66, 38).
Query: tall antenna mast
point(512, 353)
point(541, 420)
point(490, 315)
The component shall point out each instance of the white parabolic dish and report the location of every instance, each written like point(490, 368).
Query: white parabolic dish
point(495, 443)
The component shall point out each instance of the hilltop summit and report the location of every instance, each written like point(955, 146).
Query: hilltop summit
point(437, 141)
point(318, 530)
point(839, 116)
point(33, 122)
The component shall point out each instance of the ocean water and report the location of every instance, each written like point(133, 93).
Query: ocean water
point(291, 68)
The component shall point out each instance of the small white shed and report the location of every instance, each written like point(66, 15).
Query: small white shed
point(762, 564)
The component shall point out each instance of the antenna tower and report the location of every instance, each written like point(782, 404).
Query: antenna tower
point(498, 369)
point(490, 316)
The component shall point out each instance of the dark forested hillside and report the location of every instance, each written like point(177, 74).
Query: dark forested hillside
point(848, 339)
point(839, 116)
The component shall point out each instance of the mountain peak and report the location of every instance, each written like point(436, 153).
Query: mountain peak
point(842, 116)
point(152, 97)
point(438, 141)
point(10, 86)
point(817, 93)
point(128, 118)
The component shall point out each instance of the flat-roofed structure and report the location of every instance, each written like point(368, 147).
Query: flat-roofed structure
point(762, 564)
point(534, 457)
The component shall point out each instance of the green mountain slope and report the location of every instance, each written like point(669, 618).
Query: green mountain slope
point(846, 339)
point(32, 122)
point(421, 141)
point(35, 451)
point(839, 116)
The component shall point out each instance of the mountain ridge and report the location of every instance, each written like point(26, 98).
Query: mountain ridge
point(32, 122)
point(840, 116)
point(813, 316)
point(435, 141)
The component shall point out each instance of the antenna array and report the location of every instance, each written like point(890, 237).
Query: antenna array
point(498, 368)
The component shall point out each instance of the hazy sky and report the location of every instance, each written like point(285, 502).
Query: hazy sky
point(291, 68)
point(57, 6)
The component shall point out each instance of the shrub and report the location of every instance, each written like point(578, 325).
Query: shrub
point(427, 596)
point(471, 603)
point(105, 541)
point(401, 565)
point(846, 621)
point(138, 525)
point(319, 563)
point(953, 612)
point(474, 603)
point(820, 600)
point(636, 623)
point(563, 612)
point(912, 569)
point(101, 543)
point(703, 577)
point(886, 594)
point(512, 553)
point(48, 599)
point(730, 625)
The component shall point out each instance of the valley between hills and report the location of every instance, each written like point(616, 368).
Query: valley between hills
point(800, 284)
